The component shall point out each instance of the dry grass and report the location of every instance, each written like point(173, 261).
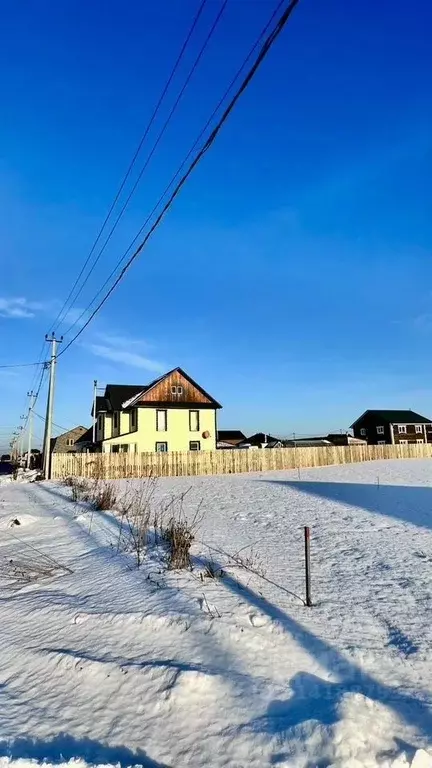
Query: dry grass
point(179, 534)
point(141, 516)
point(136, 518)
point(103, 496)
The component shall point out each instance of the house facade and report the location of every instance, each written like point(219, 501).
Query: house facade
point(68, 441)
point(382, 427)
point(172, 413)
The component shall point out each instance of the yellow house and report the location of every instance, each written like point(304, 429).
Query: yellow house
point(172, 413)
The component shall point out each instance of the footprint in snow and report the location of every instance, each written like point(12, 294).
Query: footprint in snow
point(258, 619)
point(80, 618)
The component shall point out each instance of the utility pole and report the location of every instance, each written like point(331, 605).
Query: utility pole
point(23, 428)
point(20, 440)
point(50, 405)
point(94, 410)
point(32, 397)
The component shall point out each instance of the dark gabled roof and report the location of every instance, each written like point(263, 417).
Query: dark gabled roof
point(86, 437)
point(230, 434)
point(102, 405)
point(395, 417)
point(260, 437)
point(117, 394)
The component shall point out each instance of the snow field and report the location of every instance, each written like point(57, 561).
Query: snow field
point(110, 665)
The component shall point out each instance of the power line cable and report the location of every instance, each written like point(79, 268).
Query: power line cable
point(154, 147)
point(59, 317)
point(42, 418)
point(181, 166)
point(270, 40)
point(20, 365)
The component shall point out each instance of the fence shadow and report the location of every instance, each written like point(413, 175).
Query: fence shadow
point(326, 695)
point(65, 747)
point(412, 504)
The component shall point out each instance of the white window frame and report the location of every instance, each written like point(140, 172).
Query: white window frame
point(420, 442)
point(176, 389)
point(403, 442)
point(419, 429)
point(164, 426)
point(161, 450)
point(363, 432)
point(380, 430)
point(381, 442)
point(197, 443)
point(402, 430)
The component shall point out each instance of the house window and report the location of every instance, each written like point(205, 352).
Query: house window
point(133, 419)
point(124, 448)
point(161, 447)
point(380, 430)
point(115, 449)
point(363, 432)
point(403, 442)
point(420, 441)
point(100, 421)
point(116, 420)
point(194, 421)
point(70, 441)
point(194, 445)
point(161, 421)
point(381, 442)
point(419, 429)
point(176, 389)
point(402, 429)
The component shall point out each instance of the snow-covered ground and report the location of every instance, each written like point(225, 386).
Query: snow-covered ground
point(110, 665)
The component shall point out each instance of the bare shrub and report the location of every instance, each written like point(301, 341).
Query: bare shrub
point(179, 533)
point(136, 517)
point(103, 496)
point(80, 488)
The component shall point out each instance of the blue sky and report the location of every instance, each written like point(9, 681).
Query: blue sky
point(293, 277)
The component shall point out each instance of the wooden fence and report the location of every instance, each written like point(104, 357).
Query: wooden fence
point(178, 463)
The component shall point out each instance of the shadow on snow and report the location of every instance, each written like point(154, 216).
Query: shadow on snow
point(315, 698)
point(64, 747)
point(412, 504)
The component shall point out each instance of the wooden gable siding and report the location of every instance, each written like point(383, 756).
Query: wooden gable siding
point(161, 392)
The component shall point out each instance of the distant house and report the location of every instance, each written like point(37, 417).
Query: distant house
point(229, 438)
point(67, 442)
point(261, 440)
point(171, 413)
point(322, 442)
point(382, 427)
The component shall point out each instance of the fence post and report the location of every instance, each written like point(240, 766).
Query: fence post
point(307, 566)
